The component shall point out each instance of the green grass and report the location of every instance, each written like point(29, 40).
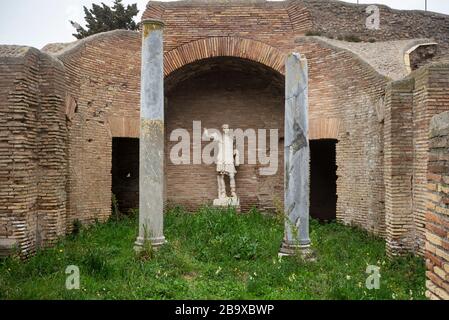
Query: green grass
point(213, 255)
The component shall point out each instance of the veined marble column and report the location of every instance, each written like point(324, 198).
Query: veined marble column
point(151, 189)
point(297, 157)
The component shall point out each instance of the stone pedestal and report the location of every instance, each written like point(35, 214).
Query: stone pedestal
point(227, 202)
point(297, 157)
point(151, 189)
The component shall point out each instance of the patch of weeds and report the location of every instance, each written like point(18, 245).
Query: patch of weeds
point(257, 286)
point(246, 248)
point(77, 227)
point(279, 209)
point(133, 213)
point(116, 214)
point(95, 262)
point(146, 253)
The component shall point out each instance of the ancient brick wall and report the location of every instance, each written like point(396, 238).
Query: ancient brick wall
point(273, 22)
point(410, 105)
point(398, 166)
point(431, 97)
point(52, 152)
point(19, 100)
point(187, 21)
point(437, 216)
point(103, 76)
point(32, 149)
point(344, 89)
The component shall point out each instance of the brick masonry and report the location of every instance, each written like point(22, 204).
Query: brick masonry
point(409, 106)
point(33, 158)
point(398, 166)
point(437, 210)
point(103, 75)
point(74, 103)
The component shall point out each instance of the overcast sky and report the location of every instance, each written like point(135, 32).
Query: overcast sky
point(39, 22)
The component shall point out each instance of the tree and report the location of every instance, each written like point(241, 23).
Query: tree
point(103, 18)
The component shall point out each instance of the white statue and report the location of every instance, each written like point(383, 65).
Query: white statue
point(227, 158)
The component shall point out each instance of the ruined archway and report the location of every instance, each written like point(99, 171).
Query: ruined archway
point(224, 47)
point(244, 94)
point(228, 64)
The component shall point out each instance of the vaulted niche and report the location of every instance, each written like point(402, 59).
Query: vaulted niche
point(225, 90)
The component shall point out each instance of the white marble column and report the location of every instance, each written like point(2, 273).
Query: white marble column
point(152, 180)
point(297, 157)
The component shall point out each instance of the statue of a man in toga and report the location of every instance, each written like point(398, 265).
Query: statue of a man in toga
point(227, 158)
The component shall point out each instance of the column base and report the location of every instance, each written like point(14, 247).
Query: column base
point(304, 251)
point(156, 243)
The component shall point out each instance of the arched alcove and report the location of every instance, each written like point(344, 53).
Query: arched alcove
point(224, 90)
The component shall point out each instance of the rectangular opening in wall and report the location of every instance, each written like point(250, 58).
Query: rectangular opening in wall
point(125, 173)
point(323, 182)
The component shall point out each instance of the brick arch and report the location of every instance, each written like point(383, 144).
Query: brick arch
point(224, 47)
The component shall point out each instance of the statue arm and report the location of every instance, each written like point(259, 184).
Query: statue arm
point(208, 136)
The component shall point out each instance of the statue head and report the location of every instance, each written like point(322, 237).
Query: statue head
point(225, 128)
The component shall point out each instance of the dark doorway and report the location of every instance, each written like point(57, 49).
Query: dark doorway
point(125, 173)
point(323, 186)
